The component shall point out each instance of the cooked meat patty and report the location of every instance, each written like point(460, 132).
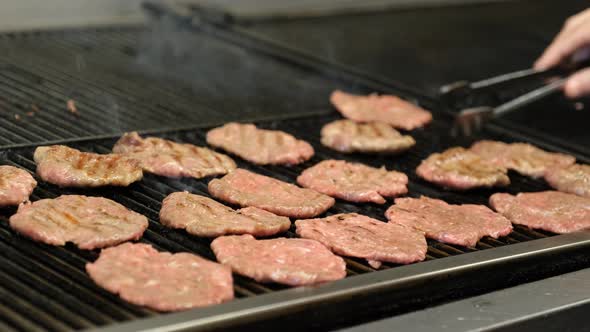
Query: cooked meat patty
point(374, 137)
point(162, 281)
point(356, 235)
point(294, 262)
point(353, 182)
point(16, 185)
point(67, 167)
point(462, 225)
point(574, 179)
point(167, 158)
point(552, 211)
point(89, 222)
point(260, 146)
point(458, 168)
point(524, 158)
point(380, 108)
point(203, 216)
point(245, 188)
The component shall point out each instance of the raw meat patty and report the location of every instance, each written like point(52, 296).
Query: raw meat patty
point(16, 185)
point(203, 216)
point(574, 179)
point(552, 211)
point(380, 108)
point(356, 235)
point(294, 262)
point(374, 137)
point(524, 158)
point(162, 281)
point(89, 222)
point(462, 225)
point(168, 158)
point(245, 188)
point(353, 182)
point(260, 146)
point(458, 168)
point(67, 167)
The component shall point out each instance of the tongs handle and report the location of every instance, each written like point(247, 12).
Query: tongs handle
point(530, 97)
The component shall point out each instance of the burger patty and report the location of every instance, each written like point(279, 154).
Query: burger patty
point(462, 225)
point(171, 159)
point(574, 179)
point(356, 235)
point(16, 185)
point(552, 211)
point(67, 167)
point(260, 146)
point(375, 137)
point(245, 188)
point(294, 262)
point(353, 182)
point(88, 222)
point(162, 281)
point(380, 108)
point(203, 216)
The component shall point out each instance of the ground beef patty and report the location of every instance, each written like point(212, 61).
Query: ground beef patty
point(245, 188)
point(67, 167)
point(89, 222)
point(458, 168)
point(168, 158)
point(203, 216)
point(462, 225)
point(260, 146)
point(162, 281)
point(380, 108)
point(16, 185)
point(354, 182)
point(293, 262)
point(552, 211)
point(356, 235)
point(574, 179)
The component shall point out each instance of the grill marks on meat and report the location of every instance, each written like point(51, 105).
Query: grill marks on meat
point(524, 158)
point(380, 108)
point(462, 225)
point(360, 236)
point(294, 262)
point(574, 179)
point(203, 216)
point(245, 188)
point(160, 280)
point(375, 137)
point(171, 159)
point(89, 222)
point(552, 211)
point(353, 182)
point(260, 146)
point(458, 168)
point(67, 167)
point(16, 185)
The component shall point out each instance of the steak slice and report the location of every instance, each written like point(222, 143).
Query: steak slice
point(67, 167)
point(462, 225)
point(353, 182)
point(552, 211)
point(171, 159)
point(89, 222)
point(141, 275)
point(356, 235)
point(16, 185)
point(203, 216)
point(524, 158)
point(245, 188)
point(260, 146)
point(574, 179)
point(374, 137)
point(458, 168)
point(380, 108)
point(293, 262)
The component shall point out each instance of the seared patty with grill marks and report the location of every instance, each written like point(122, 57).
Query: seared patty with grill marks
point(16, 185)
point(574, 179)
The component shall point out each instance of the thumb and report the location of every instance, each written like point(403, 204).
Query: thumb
point(578, 84)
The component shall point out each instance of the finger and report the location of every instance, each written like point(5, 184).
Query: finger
point(565, 46)
point(578, 84)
